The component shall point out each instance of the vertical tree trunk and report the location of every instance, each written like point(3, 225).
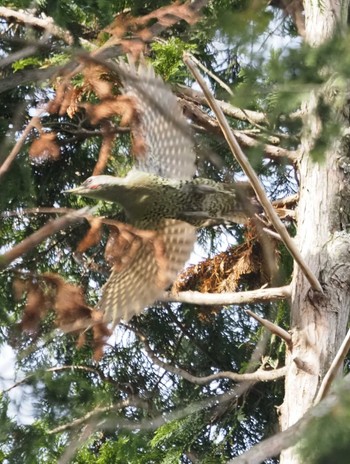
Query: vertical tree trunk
point(318, 322)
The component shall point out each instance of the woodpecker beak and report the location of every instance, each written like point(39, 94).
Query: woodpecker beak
point(77, 190)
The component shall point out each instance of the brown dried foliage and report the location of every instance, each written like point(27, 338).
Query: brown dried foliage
point(120, 105)
point(92, 237)
point(162, 18)
point(132, 35)
point(66, 99)
point(50, 291)
point(95, 79)
point(225, 272)
point(45, 147)
point(108, 138)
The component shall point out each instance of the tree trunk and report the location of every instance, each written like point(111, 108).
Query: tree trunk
point(318, 322)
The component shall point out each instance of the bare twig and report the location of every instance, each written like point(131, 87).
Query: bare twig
point(30, 75)
point(211, 74)
point(290, 200)
point(19, 55)
point(38, 210)
point(37, 237)
point(274, 328)
point(230, 298)
point(272, 446)
point(58, 369)
point(151, 423)
point(258, 188)
point(333, 369)
point(18, 145)
point(272, 233)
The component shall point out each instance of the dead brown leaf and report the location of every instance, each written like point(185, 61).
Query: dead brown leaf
point(45, 147)
point(92, 237)
point(108, 139)
point(51, 291)
point(120, 105)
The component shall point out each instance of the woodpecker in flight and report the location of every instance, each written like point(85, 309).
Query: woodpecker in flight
point(160, 194)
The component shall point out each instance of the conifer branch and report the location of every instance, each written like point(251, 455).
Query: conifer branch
point(273, 446)
point(211, 125)
point(227, 108)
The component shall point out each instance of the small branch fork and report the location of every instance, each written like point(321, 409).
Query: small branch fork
point(249, 171)
point(259, 375)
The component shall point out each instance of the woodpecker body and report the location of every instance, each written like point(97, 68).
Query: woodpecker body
point(147, 198)
point(159, 194)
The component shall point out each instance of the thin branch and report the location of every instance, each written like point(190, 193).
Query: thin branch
point(211, 74)
point(257, 376)
point(38, 210)
point(272, 446)
point(273, 151)
point(133, 401)
point(274, 328)
point(333, 369)
point(290, 200)
point(153, 423)
point(18, 145)
point(29, 20)
point(40, 235)
point(230, 298)
point(272, 233)
point(19, 55)
point(227, 108)
point(52, 369)
point(30, 75)
point(258, 188)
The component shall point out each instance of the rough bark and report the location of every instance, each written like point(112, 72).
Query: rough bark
point(318, 322)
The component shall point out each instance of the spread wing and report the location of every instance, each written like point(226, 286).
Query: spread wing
point(153, 268)
point(169, 146)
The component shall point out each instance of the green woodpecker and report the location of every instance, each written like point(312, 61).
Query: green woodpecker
point(159, 193)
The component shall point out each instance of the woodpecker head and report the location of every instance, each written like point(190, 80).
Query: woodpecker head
point(99, 187)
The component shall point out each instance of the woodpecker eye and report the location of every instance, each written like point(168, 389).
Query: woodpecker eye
point(88, 183)
point(91, 184)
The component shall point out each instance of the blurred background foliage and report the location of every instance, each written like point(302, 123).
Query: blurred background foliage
point(254, 49)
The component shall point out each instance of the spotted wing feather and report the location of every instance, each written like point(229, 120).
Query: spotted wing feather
point(169, 145)
point(153, 269)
